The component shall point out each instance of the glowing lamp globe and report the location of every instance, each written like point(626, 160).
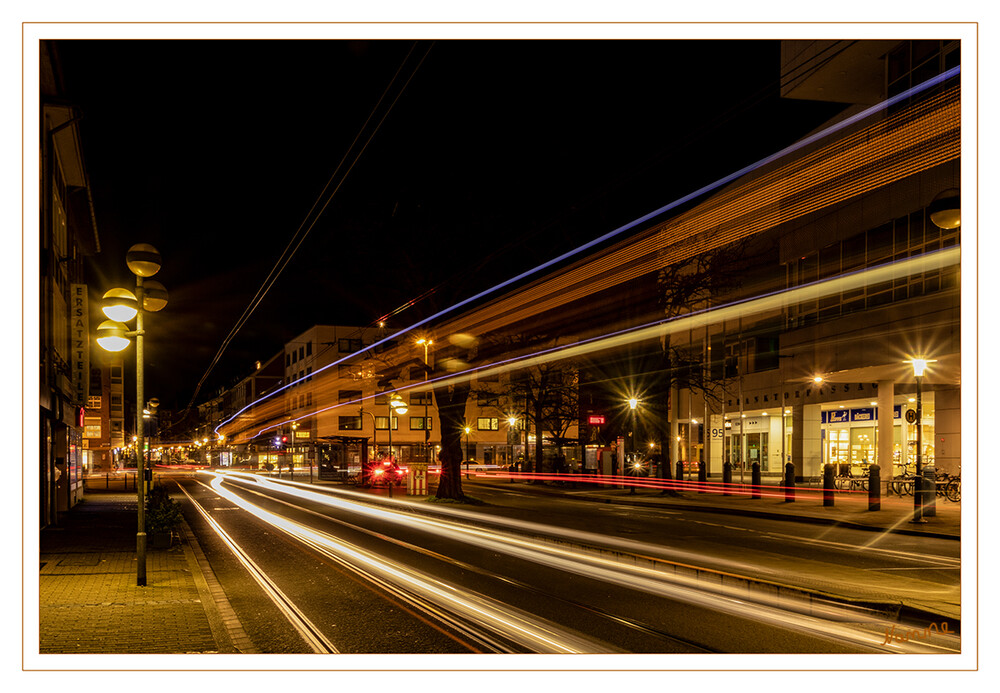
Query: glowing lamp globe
point(946, 209)
point(143, 260)
point(111, 335)
point(120, 305)
point(154, 296)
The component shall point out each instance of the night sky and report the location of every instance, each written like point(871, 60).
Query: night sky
point(497, 155)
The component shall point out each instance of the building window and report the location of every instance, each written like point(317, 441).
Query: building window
point(348, 345)
point(116, 404)
point(349, 423)
point(302, 352)
point(417, 423)
point(348, 396)
point(94, 402)
point(309, 373)
point(116, 375)
point(488, 399)
point(309, 348)
point(382, 423)
point(421, 399)
point(487, 424)
point(92, 427)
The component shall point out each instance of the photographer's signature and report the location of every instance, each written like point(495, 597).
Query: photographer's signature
point(892, 635)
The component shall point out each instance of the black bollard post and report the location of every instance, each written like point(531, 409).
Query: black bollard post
point(828, 486)
point(727, 478)
point(929, 488)
point(874, 488)
point(755, 480)
point(680, 473)
point(789, 483)
point(702, 476)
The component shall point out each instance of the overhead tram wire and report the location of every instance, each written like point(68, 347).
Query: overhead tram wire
point(306, 226)
point(807, 68)
point(805, 142)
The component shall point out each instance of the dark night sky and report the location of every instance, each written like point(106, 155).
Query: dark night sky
point(498, 155)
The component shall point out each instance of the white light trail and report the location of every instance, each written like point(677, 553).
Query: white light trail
point(524, 629)
point(822, 620)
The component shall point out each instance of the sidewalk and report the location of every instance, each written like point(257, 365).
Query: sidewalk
point(89, 600)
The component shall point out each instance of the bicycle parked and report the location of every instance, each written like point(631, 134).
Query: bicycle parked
point(902, 484)
point(949, 486)
point(852, 481)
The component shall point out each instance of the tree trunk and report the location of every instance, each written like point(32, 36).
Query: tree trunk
point(451, 410)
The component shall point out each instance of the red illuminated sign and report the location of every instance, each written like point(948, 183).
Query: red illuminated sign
point(595, 420)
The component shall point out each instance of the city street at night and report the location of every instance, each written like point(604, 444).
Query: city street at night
point(618, 348)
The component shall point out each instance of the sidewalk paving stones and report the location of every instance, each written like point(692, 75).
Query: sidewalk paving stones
point(89, 600)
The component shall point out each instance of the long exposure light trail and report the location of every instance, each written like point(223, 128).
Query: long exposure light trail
point(525, 629)
point(312, 635)
point(787, 212)
point(816, 619)
point(696, 320)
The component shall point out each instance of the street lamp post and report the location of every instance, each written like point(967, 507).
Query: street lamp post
point(511, 431)
point(427, 431)
point(633, 404)
point(467, 431)
point(396, 406)
point(143, 261)
point(919, 366)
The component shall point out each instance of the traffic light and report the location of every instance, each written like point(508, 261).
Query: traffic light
point(284, 439)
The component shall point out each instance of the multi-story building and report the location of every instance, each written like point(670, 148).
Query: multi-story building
point(336, 391)
point(68, 232)
point(868, 276)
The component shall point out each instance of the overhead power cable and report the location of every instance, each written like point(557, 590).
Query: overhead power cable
point(312, 216)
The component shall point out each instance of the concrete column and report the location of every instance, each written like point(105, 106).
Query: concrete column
point(717, 430)
point(886, 394)
point(806, 440)
point(947, 429)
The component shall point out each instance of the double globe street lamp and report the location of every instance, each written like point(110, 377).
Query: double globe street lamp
point(121, 306)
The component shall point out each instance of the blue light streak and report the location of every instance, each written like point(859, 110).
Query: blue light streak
point(836, 127)
point(823, 287)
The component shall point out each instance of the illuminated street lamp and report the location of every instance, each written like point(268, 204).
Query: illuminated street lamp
point(919, 366)
point(427, 430)
point(121, 306)
point(467, 432)
point(633, 404)
point(511, 429)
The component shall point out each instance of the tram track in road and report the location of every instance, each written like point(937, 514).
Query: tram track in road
point(818, 619)
point(631, 623)
point(493, 626)
point(310, 634)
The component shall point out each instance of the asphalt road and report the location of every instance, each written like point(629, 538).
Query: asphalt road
point(372, 577)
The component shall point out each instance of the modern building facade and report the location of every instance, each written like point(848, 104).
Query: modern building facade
point(870, 273)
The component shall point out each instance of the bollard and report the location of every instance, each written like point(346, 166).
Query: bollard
point(755, 480)
point(929, 488)
point(702, 476)
point(680, 473)
point(727, 478)
point(828, 486)
point(789, 483)
point(874, 487)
